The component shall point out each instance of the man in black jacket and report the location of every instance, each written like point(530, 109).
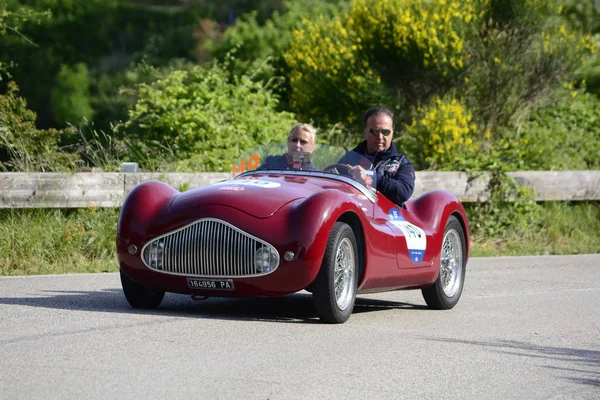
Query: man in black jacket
point(394, 173)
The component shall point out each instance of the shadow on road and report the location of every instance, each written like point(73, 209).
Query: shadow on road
point(294, 308)
point(566, 356)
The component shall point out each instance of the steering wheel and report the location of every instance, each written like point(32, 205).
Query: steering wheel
point(340, 169)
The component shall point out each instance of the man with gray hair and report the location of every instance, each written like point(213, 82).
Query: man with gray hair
point(301, 139)
point(377, 156)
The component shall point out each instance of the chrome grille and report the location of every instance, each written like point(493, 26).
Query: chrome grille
point(208, 247)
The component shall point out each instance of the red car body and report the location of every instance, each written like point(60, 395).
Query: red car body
point(294, 212)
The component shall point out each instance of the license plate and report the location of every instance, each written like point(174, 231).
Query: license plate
point(211, 284)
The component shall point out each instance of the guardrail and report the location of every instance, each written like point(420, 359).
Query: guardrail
point(108, 189)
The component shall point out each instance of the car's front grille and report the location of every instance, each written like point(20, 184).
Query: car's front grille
point(209, 247)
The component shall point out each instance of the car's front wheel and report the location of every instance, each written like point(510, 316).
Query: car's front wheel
point(138, 296)
point(446, 291)
point(334, 290)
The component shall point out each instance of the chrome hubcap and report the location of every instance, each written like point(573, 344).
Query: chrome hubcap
point(343, 274)
point(451, 263)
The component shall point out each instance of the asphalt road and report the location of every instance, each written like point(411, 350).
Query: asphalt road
point(525, 328)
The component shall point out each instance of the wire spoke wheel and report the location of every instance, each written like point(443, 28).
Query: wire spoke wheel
point(446, 290)
point(344, 274)
point(334, 289)
point(451, 262)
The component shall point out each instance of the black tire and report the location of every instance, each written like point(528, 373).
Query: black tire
point(446, 291)
point(138, 296)
point(332, 307)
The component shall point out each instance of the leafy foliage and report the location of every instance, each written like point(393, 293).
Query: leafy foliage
point(584, 15)
point(517, 63)
point(70, 95)
point(252, 40)
point(105, 35)
point(207, 117)
point(404, 52)
point(562, 135)
point(397, 52)
point(442, 136)
point(23, 147)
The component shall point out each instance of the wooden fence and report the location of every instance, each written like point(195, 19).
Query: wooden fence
point(99, 189)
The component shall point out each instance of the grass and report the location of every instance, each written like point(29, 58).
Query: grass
point(563, 228)
point(57, 241)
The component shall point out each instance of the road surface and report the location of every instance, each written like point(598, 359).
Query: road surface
point(525, 328)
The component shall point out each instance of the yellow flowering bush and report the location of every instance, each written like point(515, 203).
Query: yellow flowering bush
point(338, 66)
point(501, 59)
point(326, 70)
point(435, 28)
point(442, 134)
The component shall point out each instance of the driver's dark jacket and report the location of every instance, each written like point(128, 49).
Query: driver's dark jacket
point(394, 173)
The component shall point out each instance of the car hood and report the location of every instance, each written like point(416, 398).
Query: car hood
point(258, 195)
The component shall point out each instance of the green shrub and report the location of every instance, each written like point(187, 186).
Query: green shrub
point(584, 15)
point(525, 52)
point(509, 208)
point(206, 117)
point(71, 95)
point(252, 40)
point(562, 135)
point(24, 147)
point(106, 35)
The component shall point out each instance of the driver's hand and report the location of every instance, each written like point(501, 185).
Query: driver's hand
point(359, 173)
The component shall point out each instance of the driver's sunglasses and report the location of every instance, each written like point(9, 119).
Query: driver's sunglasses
point(384, 132)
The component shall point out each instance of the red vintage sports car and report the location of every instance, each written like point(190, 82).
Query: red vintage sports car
point(276, 232)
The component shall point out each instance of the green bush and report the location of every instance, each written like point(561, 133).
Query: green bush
point(584, 15)
point(71, 95)
point(23, 147)
point(106, 35)
point(525, 52)
point(562, 135)
point(252, 40)
point(206, 117)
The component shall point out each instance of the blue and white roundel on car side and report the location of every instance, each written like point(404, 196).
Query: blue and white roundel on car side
point(416, 240)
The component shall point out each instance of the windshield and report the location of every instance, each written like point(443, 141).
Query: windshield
point(329, 161)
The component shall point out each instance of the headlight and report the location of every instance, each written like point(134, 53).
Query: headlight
point(155, 255)
point(266, 260)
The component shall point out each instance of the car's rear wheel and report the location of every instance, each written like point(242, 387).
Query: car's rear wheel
point(334, 290)
point(446, 291)
point(138, 296)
